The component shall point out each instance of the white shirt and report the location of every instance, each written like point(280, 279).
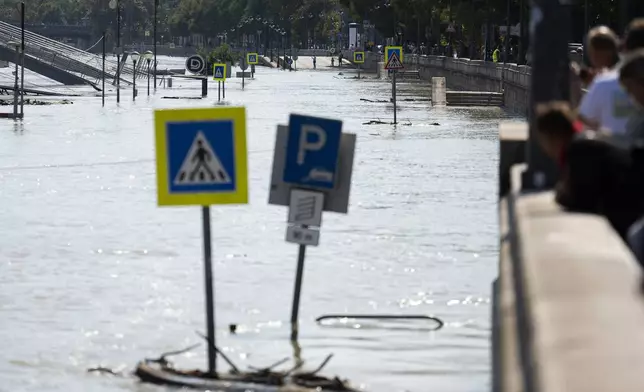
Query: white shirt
point(607, 103)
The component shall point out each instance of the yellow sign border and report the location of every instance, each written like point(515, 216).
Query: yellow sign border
point(248, 58)
point(354, 58)
point(213, 72)
point(235, 114)
point(400, 48)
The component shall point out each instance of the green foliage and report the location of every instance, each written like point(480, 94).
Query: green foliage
point(221, 54)
point(412, 19)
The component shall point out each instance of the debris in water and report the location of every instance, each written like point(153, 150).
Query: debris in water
point(36, 102)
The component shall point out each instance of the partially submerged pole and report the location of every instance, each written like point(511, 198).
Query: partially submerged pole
point(103, 74)
point(295, 309)
point(393, 93)
point(210, 295)
point(22, 62)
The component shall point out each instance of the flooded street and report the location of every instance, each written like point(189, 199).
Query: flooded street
point(92, 272)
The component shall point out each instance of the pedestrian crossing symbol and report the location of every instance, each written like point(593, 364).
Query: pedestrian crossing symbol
point(201, 166)
point(252, 58)
point(219, 72)
point(201, 156)
point(394, 62)
point(358, 57)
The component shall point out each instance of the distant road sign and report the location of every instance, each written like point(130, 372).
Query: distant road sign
point(243, 64)
point(252, 58)
point(295, 56)
point(393, 63)
point(312, 151)
point(358, 57)
point(332, 50)
point(195, 64)
point(389, 50)
point(219, 72)
point(450, 28)
point(201, 156)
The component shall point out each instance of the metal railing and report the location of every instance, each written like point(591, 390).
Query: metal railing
point(67, 57)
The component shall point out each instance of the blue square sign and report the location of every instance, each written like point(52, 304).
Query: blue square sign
point(312, 151)
point(201, 156)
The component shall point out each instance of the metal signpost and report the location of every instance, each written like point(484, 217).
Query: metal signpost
point(312, 167)
point(201, 160)
point(195, 64)
point(219, 74)
point(294, 56)
point(244, 66)
point(358, 58)
point(393, 62)
point(103, 72)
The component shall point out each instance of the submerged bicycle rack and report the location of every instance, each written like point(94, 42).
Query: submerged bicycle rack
point(438, 321)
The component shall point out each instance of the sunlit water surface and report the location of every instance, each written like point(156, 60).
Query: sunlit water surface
point(93, 272)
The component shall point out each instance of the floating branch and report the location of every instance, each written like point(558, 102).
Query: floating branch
point(224, 356)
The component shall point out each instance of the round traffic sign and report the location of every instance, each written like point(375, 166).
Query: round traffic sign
point(243, 64)
point(195, 64)
point(295, 57)
point(332, 50)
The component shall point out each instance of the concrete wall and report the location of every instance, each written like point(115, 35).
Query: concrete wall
point(478, 75)
point(568, 309)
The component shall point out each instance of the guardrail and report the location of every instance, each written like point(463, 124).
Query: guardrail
point(79, 61)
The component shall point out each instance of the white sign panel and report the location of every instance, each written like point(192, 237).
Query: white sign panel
point(302, 236)
point(305, 208)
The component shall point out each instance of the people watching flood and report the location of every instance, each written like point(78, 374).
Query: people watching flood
point(596, 175)
point(606, 105)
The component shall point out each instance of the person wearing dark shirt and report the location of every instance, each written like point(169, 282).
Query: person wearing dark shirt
point(596, 175)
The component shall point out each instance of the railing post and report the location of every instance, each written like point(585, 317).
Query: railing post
point(550, 80)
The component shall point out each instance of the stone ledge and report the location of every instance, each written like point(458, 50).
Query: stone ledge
point(579, 309)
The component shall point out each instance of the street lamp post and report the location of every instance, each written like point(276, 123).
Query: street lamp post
point(116, 4)
point(135, 57)
point(156, 6)
point(148, 57)
point(16, 89)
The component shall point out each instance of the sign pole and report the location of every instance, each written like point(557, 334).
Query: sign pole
point(219, 91)
point(301, 254)
point(393, 93)
point(103, 88)
point(210, 296)
point(223, 89)
point(359, 67)
point(244, 71)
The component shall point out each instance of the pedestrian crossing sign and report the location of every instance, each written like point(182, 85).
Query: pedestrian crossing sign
point(252, 58)
point(201, 156)
point(219, 72)
point(394, 62)
point(358, 57)
point(389, 50)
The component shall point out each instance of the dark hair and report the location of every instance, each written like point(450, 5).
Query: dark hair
point(603, 38)
point(634, 38)
point(555, 119)
point(633, 67)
